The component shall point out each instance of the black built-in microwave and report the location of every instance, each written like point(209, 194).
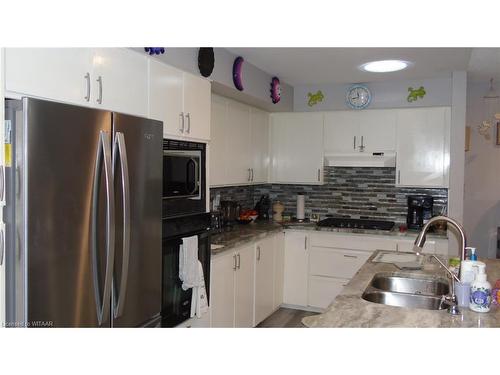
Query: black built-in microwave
point(184, 178)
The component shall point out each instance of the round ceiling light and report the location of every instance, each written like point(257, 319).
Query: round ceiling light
point(385, 66)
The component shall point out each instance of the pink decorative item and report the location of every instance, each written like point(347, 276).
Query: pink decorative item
point(275, 90)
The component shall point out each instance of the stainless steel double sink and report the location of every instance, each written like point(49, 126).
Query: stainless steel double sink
point(408, 290)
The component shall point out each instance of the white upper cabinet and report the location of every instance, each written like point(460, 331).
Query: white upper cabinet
point(360, 131)
point(218, 161)
point(239, 147)
point(197, 93)
point(259, 145)
point(181, 100)
point(237, 133)
point(120, 81)
point(423, 147)
point(341, 132)
point(107, 78)
point(297, 148)
point(61, 74)
point(166, 97)
point(377, 130)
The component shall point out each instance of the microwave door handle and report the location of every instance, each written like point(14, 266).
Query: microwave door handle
point(121, 149)
point(196, 175)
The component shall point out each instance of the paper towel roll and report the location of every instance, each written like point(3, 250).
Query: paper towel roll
point(300, 206)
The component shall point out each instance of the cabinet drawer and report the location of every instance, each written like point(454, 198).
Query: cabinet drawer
point(323, 290)
point(336, 262)
point(352, 241)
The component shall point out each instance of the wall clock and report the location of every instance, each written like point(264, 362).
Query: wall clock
point(358, 97)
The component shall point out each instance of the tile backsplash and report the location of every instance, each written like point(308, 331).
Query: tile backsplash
point(349, 192)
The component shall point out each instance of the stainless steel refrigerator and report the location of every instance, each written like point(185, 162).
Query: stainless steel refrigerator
point(83, 216)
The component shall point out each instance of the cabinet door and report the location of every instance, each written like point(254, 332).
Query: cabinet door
point(423, 147)
point(377, 130)
point(124, 81)
point(244, 288)
point(259, 145)
point(237, 135)
point(264, 279)
point(197, 93)
point(341, 132)
point(218, 148)
point(222, 291)
point(296, 266)
point(51, 73)
point(296, 146)
point(165, 97)
point(279, 268)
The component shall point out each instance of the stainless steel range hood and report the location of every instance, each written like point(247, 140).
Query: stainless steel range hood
point(361, 159)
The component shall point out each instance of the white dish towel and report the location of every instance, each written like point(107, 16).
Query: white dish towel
point(191, 275)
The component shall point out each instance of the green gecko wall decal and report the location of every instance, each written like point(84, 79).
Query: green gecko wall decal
point(415, 94)
point(315, 98)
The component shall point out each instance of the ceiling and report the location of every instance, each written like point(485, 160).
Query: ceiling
point(304, 66)
point(484, 64)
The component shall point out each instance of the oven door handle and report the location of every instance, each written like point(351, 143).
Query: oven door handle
point(196, 175)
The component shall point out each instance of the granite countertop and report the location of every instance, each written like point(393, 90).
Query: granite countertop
point(350, 310)
point(240, 234)
point(394, 232)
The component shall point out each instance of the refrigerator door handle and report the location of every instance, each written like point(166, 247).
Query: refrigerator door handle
point(103, 156)
point(120, 148)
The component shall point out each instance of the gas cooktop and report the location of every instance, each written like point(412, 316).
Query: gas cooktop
point(338, 222)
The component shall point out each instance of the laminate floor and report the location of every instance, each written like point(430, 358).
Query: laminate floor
point(286, 318)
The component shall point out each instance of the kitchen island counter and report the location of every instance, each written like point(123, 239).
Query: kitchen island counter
point(350, 310)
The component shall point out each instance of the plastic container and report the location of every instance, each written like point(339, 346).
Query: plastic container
point(480, 291)
point(467, 272)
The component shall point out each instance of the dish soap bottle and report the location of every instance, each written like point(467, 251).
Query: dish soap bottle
point(480, 291)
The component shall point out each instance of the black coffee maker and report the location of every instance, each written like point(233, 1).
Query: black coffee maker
point(419, 210)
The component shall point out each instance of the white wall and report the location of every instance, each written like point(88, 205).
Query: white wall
point(256, 82)
point(482, 174)
point(386, 94)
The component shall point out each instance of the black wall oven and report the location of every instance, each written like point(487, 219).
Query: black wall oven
point(176, 303)
point(184, 178)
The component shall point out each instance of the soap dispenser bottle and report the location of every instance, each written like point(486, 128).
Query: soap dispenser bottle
point(480, 291)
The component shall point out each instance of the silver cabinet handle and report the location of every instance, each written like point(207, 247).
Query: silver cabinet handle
point(103, 156)
point(99, 98)
point(239, 261)
point(362, 146)
point(181, 125)
point(120, 148)
point(2, 244)
point(249, 175)
point(305, 243)
point(399, 176)
point(319, 174)
point(350, 256)
point(252, 174)
point(188, 129)
point(234, 262)
point(354, 146)
point(87, 78)
point(2, 183)
point(258, 253)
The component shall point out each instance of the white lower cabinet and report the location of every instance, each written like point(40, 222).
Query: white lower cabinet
point(264, 279)
point(319, 264)
point(245, 283)
point(222, 290)
point(244, 287)
point(296, 268)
